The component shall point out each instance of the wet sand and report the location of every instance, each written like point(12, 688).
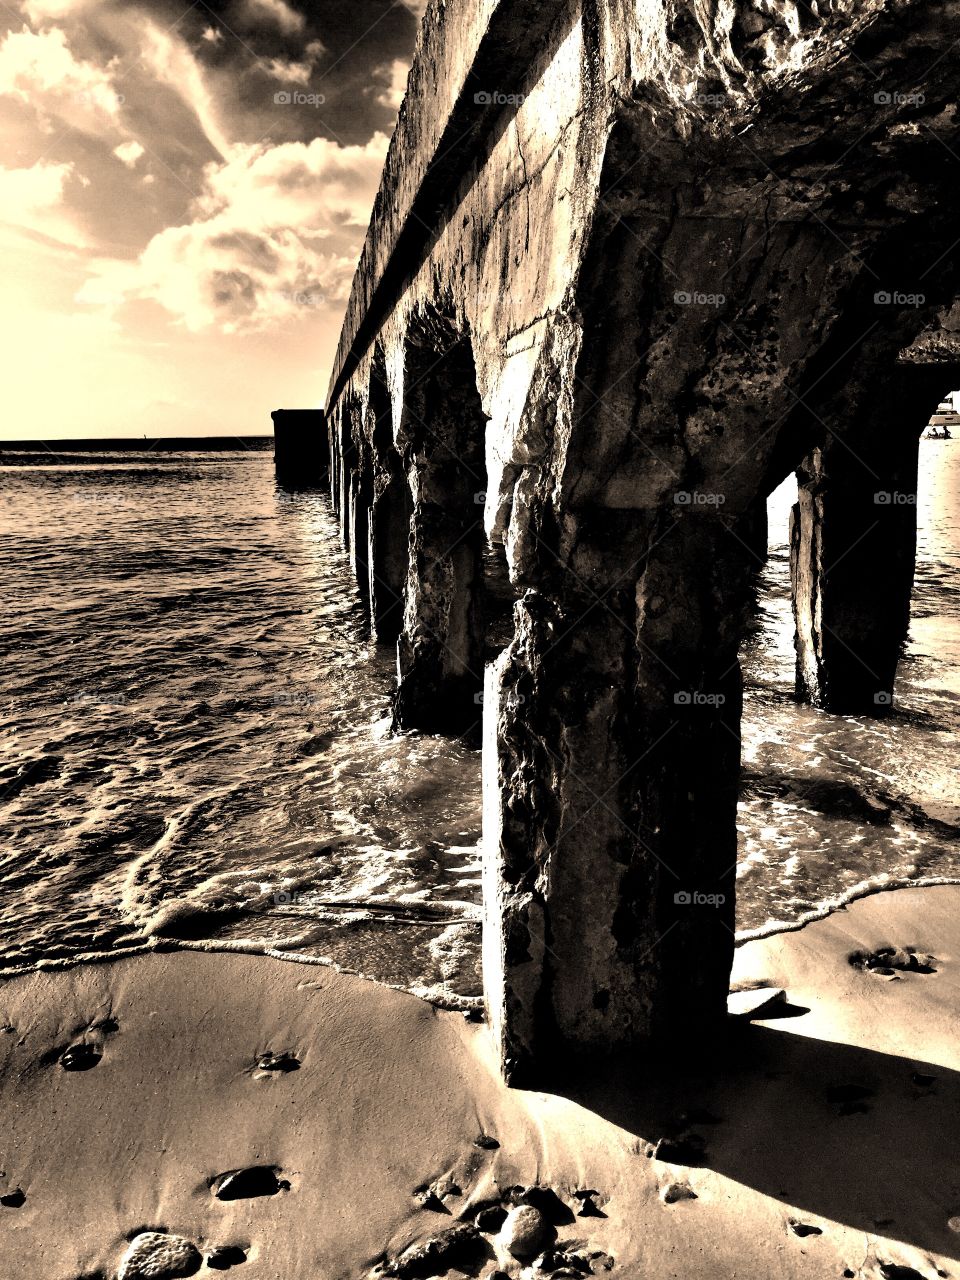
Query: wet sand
point(819, 1142)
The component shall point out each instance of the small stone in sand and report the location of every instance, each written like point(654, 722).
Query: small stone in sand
point(525, 1232)
point(491, 1218)
point(226, 1256)
point(954, 1223)
point(243, 1184)
point(154, 1255)
point(454, 1248)
point(757, 1003)
point(674, 1192)
point(13, 1199)
point(80, 1057)
point(804, 1229)
point(270, 1061)
point(486, 1143)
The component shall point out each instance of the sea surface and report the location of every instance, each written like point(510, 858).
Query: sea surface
point(196, 740)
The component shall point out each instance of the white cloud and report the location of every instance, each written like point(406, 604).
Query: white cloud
point(276, 231)
point(213, 35)
point(174, 65)
point(39, 69)
point(41, 11)
point(279, 13)
point(392, 95)
point(33, 199)
point(295, 72)
point(128, 153)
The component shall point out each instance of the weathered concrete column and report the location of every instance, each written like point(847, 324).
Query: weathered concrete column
point(390, 512)
point(440, 649)
point(610, 789)
point(853, 535)
point(301, 452)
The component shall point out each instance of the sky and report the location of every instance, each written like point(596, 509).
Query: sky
point(184, 193)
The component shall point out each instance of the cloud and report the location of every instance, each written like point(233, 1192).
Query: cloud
point(285, 18)
point(276, 232)
point(42, 11)
point(295, 72)
point(392, 95)
point(32, 199)
point(173, 64)
point(128, 153)
point(39, 69)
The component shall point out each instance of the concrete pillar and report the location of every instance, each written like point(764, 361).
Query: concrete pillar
point(611, 770)
point(440, 648)
point(301, 452)
point(347, 452)
point(391, 508)
point(853, 539)
point(389, 555)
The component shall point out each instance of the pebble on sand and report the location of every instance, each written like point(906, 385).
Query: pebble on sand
point(460, 1245)
point(80, 1057)
point(243, 1184)
point(674, 1192)
point(155, 1255)
point(525, 1233)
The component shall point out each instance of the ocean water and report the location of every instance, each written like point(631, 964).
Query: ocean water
point(197, 747)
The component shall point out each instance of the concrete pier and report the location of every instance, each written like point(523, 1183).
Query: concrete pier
point(301, 453)
point(607, 302)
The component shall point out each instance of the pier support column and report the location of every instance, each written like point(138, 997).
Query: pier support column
point(853, 535)
point(611, 771)
point(301, 451)
point(390, 513)
point(440, 649)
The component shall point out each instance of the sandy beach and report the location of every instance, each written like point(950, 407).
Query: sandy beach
point(818, 1142)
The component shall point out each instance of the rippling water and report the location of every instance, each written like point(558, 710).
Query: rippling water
point(197, 747)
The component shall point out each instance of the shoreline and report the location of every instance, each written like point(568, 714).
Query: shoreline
point(823, 1146)
point(442, 999)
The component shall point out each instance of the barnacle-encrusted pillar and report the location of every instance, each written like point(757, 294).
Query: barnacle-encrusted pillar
point(611, 776)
